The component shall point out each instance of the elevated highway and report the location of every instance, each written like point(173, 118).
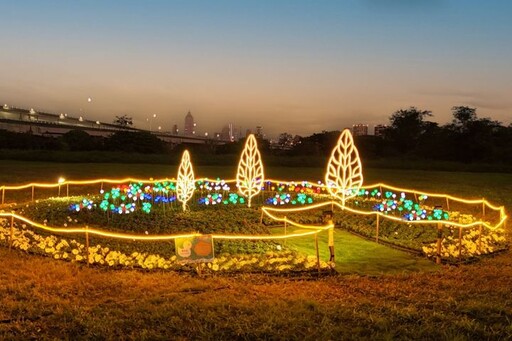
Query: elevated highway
point(47, 124)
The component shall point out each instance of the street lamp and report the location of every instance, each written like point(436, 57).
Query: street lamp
point(149, 120)
point(60, 182)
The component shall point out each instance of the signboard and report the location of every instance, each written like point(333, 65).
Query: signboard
point(197, 249)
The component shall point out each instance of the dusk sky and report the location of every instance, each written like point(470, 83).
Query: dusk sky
point(294, 66)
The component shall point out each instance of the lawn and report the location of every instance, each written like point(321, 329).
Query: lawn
point(355, 255)
point(46, 299)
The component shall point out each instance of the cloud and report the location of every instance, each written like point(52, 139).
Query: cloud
point(478, 99)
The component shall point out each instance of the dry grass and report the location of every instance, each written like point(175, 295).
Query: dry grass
point(43, 298)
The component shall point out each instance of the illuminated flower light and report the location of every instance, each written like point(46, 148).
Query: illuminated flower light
point(279, 199)
point(165, 199)
point(146, 207)
point(125, 208)
point(234, 199)
point(408, 205)
point(218, 198)
point(387, 206)
point(304, 199)
point(104, 205)
point(85, 203)
point(115, 193)
point(287, 198)
point(438, 214)
point(375, 193)
point(134, 189)
point(415, 215)
point(205, 185)
point(362, 192)
point(211, 199)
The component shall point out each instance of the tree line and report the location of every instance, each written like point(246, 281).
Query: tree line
point(80, 140)
point(409, 136)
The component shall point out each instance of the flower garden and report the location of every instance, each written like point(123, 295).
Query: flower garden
point(242, 224)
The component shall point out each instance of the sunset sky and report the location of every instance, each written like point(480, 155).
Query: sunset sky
point(294, 66)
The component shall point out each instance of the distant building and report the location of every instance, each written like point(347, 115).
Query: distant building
point(259, 132)
point(227, 133)
point(360, 129)
point(379, 129)
point(175, 130)
point(190, 125)
point(237, 133)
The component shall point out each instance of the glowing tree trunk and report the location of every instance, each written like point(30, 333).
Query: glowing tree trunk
point(249, 176)
point(344, 176)
point(185, 183)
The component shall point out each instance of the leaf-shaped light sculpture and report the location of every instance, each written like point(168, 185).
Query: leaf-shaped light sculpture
point(344, 176)
point(185, 183)
point(249, 176)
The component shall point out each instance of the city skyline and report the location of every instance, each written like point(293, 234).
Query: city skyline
point(290, 67)
point(228, 132)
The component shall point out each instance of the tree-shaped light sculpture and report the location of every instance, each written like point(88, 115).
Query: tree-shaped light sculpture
point(344, 176)
point(185, 183)
point(249, 176)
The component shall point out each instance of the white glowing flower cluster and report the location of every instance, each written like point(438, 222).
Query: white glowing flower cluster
point(472, 244)
point(220, 185)
point(75, 251)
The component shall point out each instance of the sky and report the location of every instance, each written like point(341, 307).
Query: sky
point(289, 66)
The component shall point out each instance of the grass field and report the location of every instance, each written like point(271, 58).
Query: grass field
point(355, 255)
point(45, 299)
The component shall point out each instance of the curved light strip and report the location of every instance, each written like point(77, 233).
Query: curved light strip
point(267, 210)
point(130, 236)
point(387, 216)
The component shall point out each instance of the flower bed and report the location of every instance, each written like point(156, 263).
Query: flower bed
point(151, 210)
point(73, 250)
point(423, 238)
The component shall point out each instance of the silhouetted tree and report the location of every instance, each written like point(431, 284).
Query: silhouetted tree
point(137, 142)
point(319, 143)
point(471, 138)
point(123, 121)
point(463, 116)
point(406, 128)
point(78, 140)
